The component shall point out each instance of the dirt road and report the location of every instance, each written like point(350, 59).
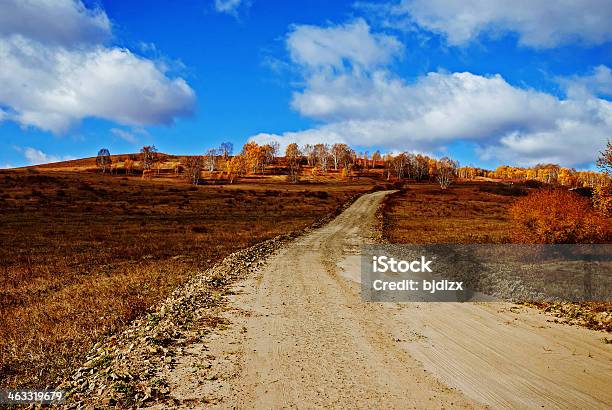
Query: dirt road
point(299, 335)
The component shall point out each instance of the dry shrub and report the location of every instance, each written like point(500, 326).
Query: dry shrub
point(557, 216)
point(602, 200)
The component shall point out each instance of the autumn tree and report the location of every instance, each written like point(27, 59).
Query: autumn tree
point(376, 158)
point(149, 156)
point(556, 216)
point(293, 157)
point(398, 164)
point(235, 167)
point(446, 169)
point(388, 164)
point(365, 156)
point(104, 160)
point(275, 149)
point(602, 194)
point(128, 166)
point(253, 154)
point(421, 163)
point(340, 153)
point(192, 166)
point(267, 154)
point(567, 177)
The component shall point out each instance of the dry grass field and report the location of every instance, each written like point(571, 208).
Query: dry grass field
point(471, 212)
point(82, 254)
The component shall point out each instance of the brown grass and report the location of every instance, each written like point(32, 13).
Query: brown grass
point(81, 255)
point(476, 212)
point(463, 213)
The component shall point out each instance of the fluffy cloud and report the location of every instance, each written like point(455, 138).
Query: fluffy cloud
point(333, 47)
point(60, 22)
point(374, 107)
point(51, 85)
point(598, 82)
point(36, 157)
point(538, 23)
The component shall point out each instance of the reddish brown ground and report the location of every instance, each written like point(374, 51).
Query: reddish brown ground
point(473, 212)
point(463, 213)
point(82, 254)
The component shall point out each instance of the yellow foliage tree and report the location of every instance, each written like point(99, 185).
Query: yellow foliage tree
point(236, 167)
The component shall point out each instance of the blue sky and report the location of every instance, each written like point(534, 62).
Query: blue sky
point(482, 81)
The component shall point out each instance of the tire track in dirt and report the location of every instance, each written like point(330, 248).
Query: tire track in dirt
point(300, 336)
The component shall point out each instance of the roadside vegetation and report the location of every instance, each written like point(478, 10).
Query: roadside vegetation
point(88, 245)
point(83, 254)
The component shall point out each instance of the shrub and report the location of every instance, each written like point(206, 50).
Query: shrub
point(557, 216)
point(602, 200)
point(533, 183)
point(504, 189)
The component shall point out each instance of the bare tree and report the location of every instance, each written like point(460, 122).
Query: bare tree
point(421, 167)
point(275, 149)
point(321, 152)
point(226, 149)
point(309, 153)
point(388, 164)
point(446, 170)
point(210, 159)
point(294, 159)
point(104, 160)
point(267, 156)
point(604, 161)
point(399, 163)
point(149, 156)
point(193, 168)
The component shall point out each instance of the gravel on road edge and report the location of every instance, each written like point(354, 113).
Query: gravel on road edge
point(122, 370)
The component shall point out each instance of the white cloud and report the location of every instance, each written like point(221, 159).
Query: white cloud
point(6, 166)
point(59, 22)
point(373, 107)
point(130, 136)
point(571, 142)
point(538, 23)
point(124, 135)
point(333, 47)
point(598, 82)
point(37, 157)
point(49, 85)
point(229, 6)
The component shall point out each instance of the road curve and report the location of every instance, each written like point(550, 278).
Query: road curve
point(300, 336)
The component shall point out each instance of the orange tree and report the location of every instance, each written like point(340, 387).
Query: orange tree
point(602, 195)
point(557, 216)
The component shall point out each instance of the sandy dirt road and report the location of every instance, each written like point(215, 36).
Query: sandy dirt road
point(299, 336)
